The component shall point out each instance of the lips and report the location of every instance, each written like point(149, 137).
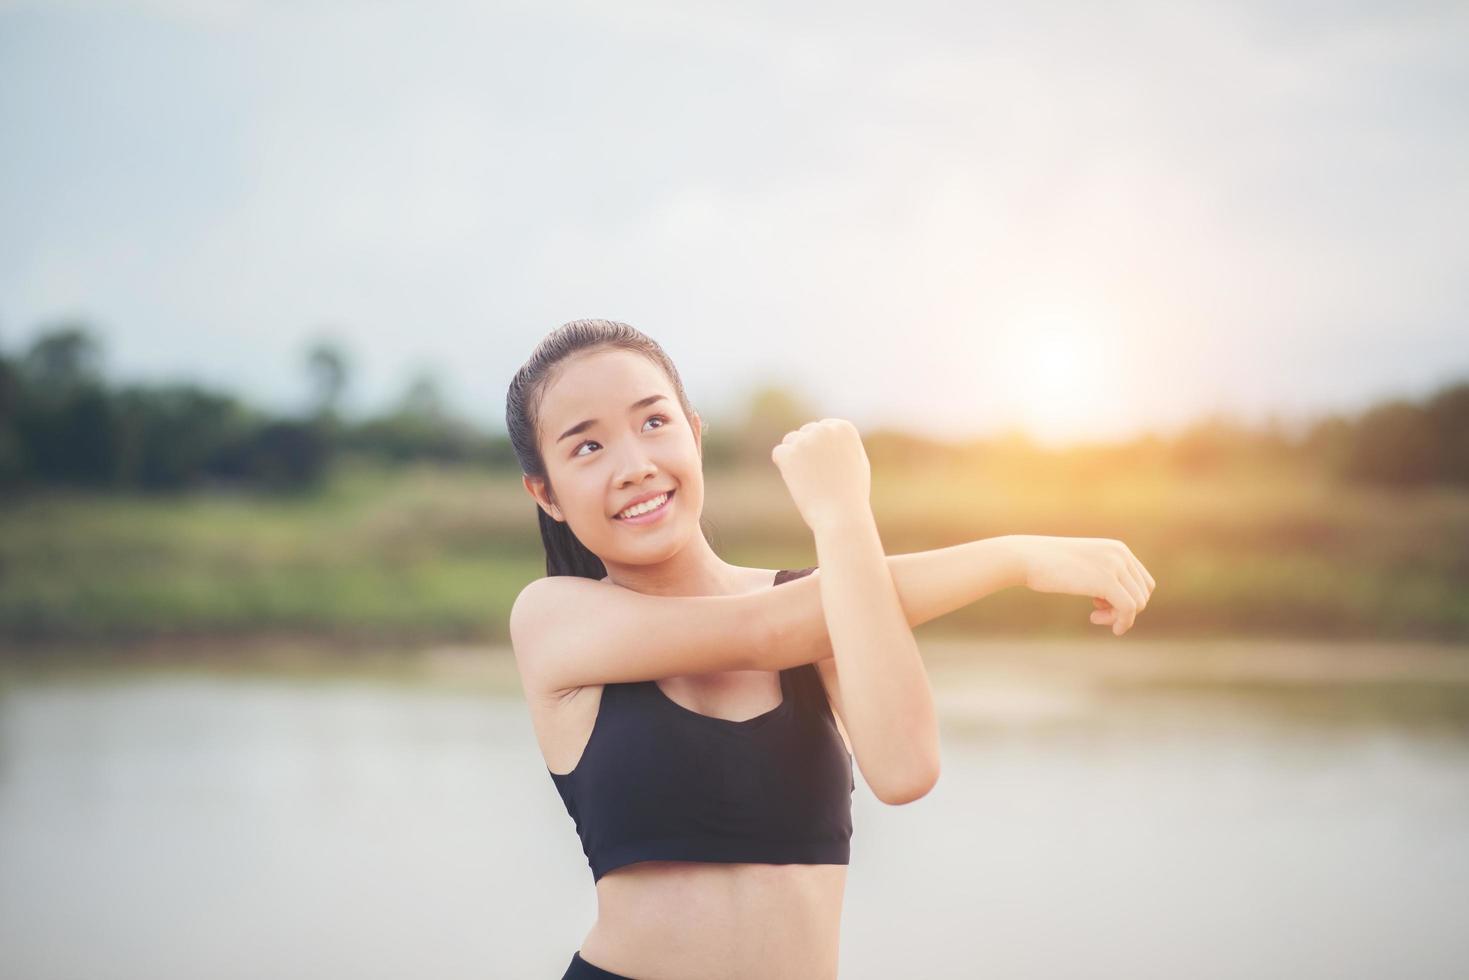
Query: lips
point(644, 499)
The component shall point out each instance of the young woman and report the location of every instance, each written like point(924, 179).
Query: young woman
point(700, 719)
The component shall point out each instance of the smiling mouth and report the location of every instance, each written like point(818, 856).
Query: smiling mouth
point(667, 498)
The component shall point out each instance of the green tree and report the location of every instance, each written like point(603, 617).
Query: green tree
point(1448, 412)
point(62, 359)
point(1394, 444)
point(329, 369)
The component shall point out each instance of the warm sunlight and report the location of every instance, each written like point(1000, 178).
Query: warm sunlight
point(1062, 371)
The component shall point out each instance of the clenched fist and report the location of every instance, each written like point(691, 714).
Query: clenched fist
point(826, 470)
point(1103, 568)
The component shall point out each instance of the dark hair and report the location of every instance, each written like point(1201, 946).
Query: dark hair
point(565, 554)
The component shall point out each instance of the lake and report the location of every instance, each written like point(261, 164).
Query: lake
point(203, 823)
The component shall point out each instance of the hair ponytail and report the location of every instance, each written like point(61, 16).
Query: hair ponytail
point(565, 554)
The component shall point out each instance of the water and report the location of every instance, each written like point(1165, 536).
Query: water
point(196, 826)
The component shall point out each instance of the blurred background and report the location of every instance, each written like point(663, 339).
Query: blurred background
point(1189, 275)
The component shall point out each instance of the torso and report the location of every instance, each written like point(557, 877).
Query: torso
point(692, 919)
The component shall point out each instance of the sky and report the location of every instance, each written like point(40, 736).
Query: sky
point(1085, 221)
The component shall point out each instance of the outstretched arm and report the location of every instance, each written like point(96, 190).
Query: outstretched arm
point(931, 583)
point(928, 584)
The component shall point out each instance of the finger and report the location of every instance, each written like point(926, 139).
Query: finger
point(1142, 574)
point(1136, 587)
point(1122, 601)
point(1135, 593)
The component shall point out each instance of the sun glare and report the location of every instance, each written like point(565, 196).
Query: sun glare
point(1061, 369)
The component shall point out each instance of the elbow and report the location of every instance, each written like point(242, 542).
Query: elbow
point(914, 786)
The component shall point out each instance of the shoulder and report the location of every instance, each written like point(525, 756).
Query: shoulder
point(533, 617)
point(538, 590)
point(527, 612)
point(548, 595)
point(572, 631)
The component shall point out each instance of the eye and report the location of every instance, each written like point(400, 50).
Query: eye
point(663, 419)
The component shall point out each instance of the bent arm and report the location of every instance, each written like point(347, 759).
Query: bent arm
point(887, 707)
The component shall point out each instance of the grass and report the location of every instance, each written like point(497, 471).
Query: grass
point(420, 555)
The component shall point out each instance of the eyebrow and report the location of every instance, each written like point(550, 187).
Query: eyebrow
point(583, 426)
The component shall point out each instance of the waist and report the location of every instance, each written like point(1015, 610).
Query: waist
point(706, 919)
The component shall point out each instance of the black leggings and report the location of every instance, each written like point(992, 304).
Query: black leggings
point(580, 969)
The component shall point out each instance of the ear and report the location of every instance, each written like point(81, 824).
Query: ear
point(536, 487)
point(697, 422)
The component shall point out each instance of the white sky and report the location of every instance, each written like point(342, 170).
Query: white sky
point(1082, 219)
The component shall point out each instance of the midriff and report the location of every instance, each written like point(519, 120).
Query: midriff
point(697, 920)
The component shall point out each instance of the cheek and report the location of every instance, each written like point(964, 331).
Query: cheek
point(580, 496)
point(691, 493)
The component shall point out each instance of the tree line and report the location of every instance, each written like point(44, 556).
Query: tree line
point(63, 423)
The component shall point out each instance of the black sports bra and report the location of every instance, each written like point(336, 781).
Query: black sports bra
point(661, 782)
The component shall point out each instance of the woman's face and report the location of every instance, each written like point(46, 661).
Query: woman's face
point(605, 445)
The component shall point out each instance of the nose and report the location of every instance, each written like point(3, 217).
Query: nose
point(635, 467)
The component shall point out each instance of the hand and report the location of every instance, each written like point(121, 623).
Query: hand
point(1102, 568)
point(826, 470)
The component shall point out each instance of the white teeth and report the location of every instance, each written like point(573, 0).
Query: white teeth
point(645, 506)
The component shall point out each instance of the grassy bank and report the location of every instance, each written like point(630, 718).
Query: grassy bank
point(423, 555)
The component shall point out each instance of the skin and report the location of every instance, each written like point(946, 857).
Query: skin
point(852, 618)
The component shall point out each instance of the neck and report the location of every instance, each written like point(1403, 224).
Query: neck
point(694, 570)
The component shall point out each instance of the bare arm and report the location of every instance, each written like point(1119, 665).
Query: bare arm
point(928, 584)
point(568, 631)
point(887, 707)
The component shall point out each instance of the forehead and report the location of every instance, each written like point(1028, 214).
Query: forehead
point(599, 386)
